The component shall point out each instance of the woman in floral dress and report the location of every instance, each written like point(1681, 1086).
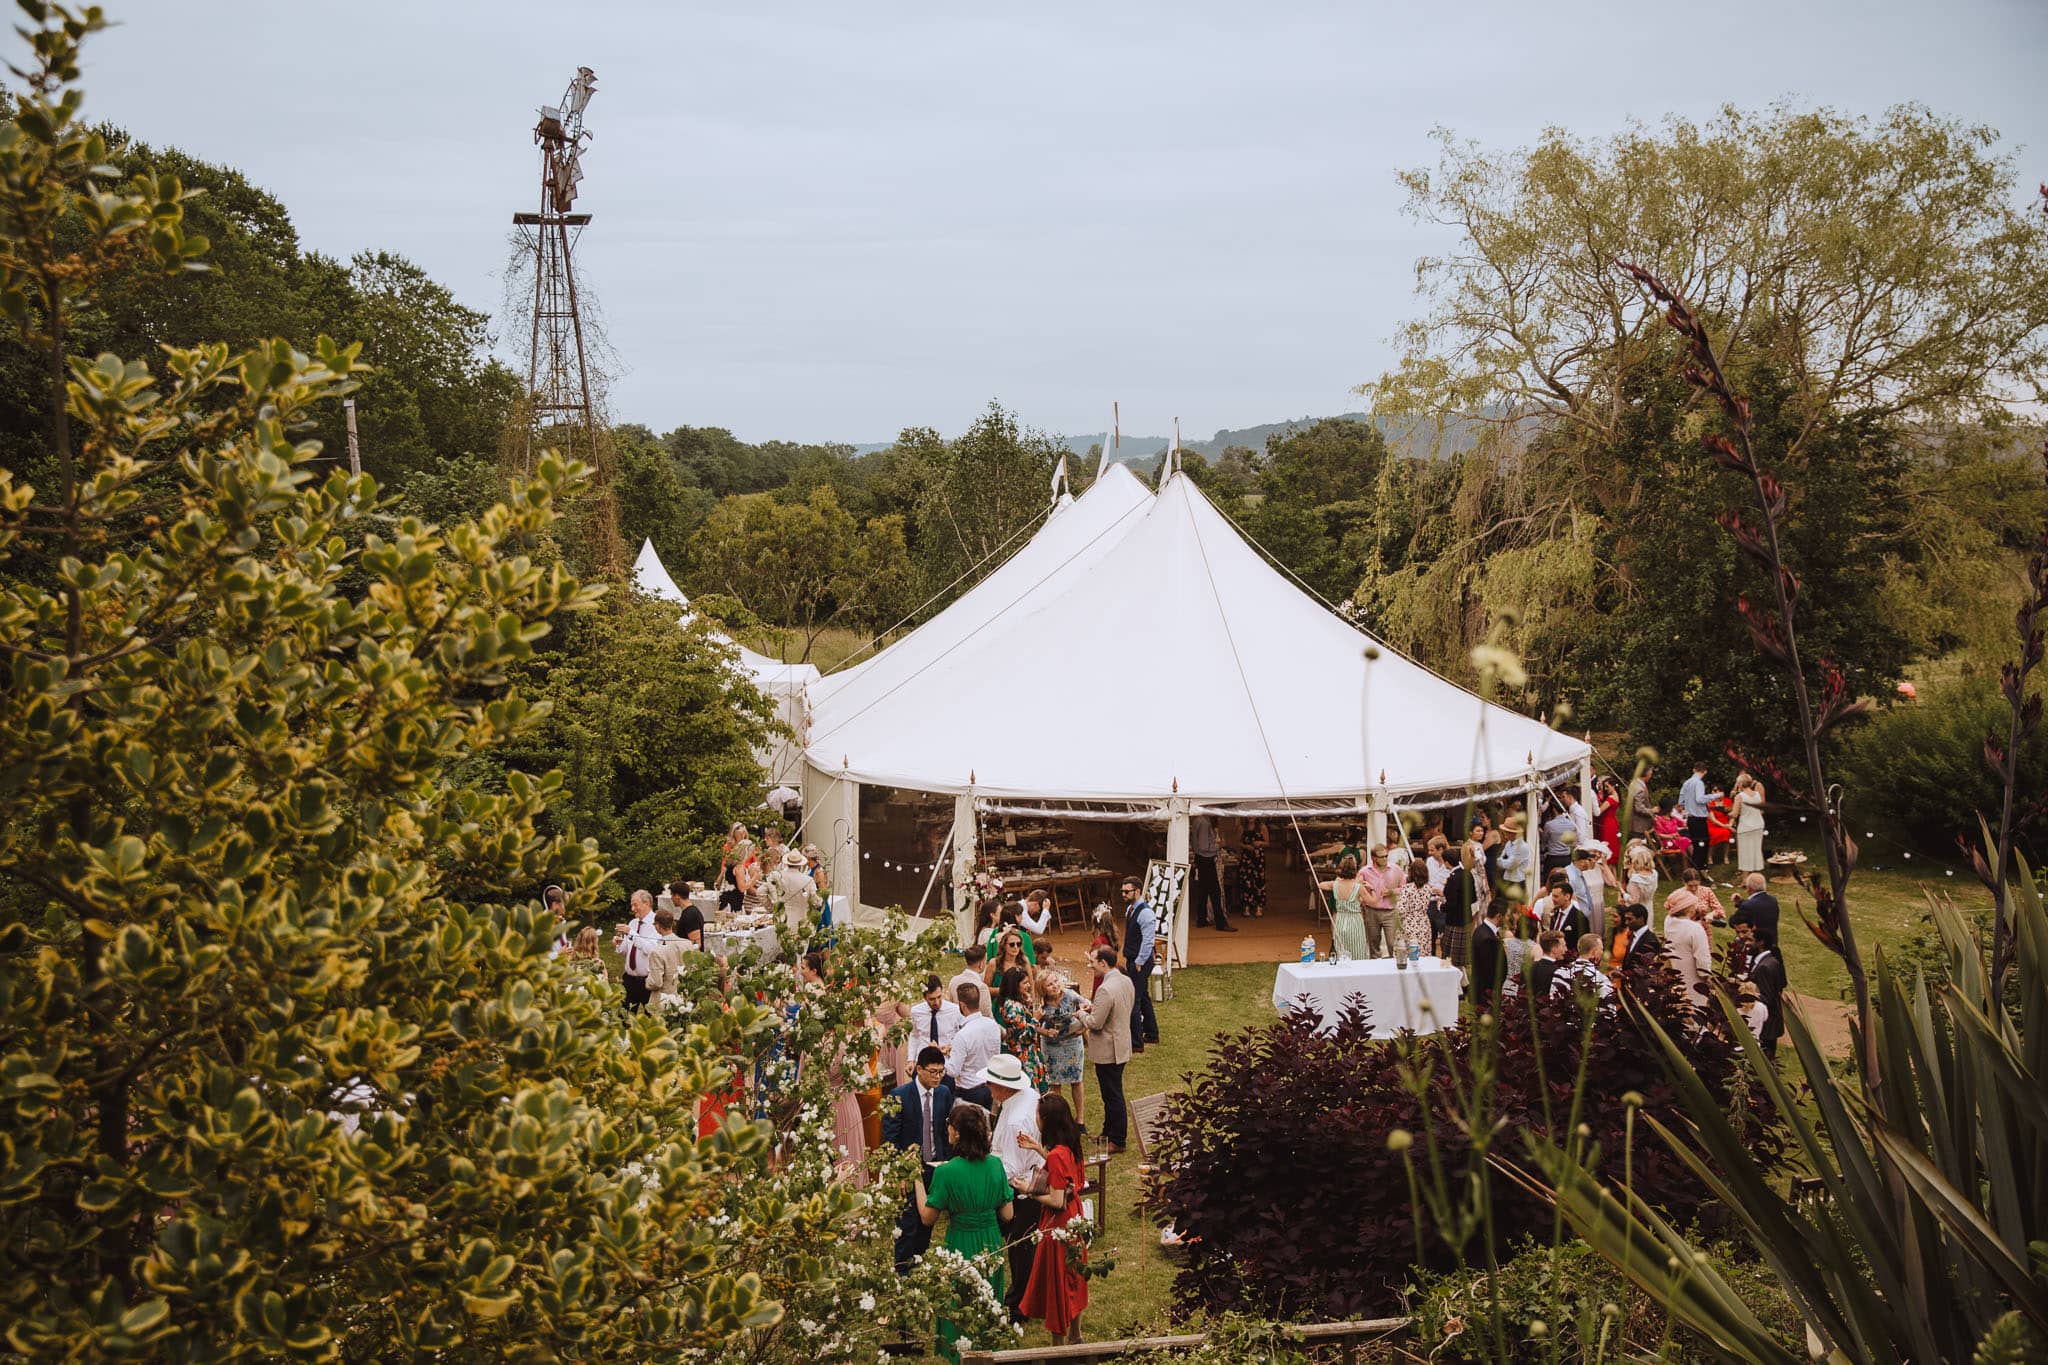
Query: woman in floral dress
point(1059, 1024)
point(1251, 869)
point(1017, 1012)
point(1412, 904)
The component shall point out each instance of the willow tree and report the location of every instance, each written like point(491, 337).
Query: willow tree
point(1875, 272)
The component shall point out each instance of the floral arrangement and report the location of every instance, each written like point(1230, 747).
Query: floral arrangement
point(983, 885)
point(1075, 1237)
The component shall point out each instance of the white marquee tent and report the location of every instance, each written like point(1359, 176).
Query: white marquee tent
point(783, 684)
point(1139, 655)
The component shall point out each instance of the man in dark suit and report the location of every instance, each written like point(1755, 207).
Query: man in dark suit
point(1550, 945)
point(1759, 909)
point(918, 1123)
point(1562, 915)
point(1489, 962)
point(1767, 974)
point(1643, 945)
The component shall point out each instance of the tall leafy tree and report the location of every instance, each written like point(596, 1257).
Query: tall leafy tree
point(653, 730)
point(1667, 654)
point(803, 565)
point(971, 498)
point(287, 1067)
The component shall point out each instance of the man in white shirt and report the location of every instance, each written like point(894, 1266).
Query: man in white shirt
point(1693, 800)
point(1037, 915)
point(1012, 1090)
point(1589, 888)
point(1582, 819)
point(1205, 898)
point(1583, 972)
point(935, 1019)
point(1514, 859)
point(975, 973)
point(634, 941)
point(1559, 833)
point(975, 1044)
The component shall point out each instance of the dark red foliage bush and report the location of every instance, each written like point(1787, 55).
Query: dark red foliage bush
point(1276, 1170)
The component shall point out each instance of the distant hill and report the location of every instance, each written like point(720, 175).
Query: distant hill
point(1144, 451)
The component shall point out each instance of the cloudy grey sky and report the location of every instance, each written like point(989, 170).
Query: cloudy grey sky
point(831, 221)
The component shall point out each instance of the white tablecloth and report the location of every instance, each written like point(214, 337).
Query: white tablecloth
point(1396, 995)
point(733, 942)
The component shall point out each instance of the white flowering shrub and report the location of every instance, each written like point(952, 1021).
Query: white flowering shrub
point(817, 1230)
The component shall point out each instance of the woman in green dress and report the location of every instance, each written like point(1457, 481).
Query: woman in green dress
point(1347, 925)
point(974, 1191)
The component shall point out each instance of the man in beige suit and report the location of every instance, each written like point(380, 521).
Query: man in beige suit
point(1108, 1017)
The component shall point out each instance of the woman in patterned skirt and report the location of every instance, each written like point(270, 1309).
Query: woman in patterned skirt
point(1251, 868)
point(1059, 1023)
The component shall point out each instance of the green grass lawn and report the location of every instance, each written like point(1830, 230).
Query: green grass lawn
point(1208, 1003)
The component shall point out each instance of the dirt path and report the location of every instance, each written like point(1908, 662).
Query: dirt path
point(1827, 1020)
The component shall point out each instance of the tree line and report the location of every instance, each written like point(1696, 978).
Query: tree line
point(1874, 284)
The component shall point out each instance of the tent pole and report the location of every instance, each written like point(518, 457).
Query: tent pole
point(938, 863)
point(832, 813)
point(1376, 822)
point(1176, 915)
point(1586, 785)
point(965, 840)
point(1533, 834)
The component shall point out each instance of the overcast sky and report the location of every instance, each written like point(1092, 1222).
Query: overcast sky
point(832, 221)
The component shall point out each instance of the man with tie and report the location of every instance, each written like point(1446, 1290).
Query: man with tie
point(1561, 912)
point(934, 1020)
point(1643, 945)
point(918, 1120)
point(634, 941)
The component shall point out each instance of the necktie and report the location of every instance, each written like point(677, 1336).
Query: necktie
point(935, 1028)
point(925, 1140)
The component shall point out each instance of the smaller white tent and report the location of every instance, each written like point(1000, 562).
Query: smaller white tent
point(783, 684)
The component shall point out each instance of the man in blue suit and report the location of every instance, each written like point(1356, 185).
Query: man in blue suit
point(918, 1123)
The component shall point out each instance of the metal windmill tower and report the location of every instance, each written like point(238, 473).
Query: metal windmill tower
point(561, 410)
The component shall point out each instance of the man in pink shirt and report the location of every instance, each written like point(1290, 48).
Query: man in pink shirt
point(1377, 885)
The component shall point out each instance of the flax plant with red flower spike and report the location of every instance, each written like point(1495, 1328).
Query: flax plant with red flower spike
point(1772, 626)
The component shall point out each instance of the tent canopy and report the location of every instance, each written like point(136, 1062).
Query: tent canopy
point(651, 576)
point(1074, 533)
point(1138, 649)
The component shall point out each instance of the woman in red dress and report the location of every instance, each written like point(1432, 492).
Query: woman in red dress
point(1608, 820)
point(1056, 1291)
